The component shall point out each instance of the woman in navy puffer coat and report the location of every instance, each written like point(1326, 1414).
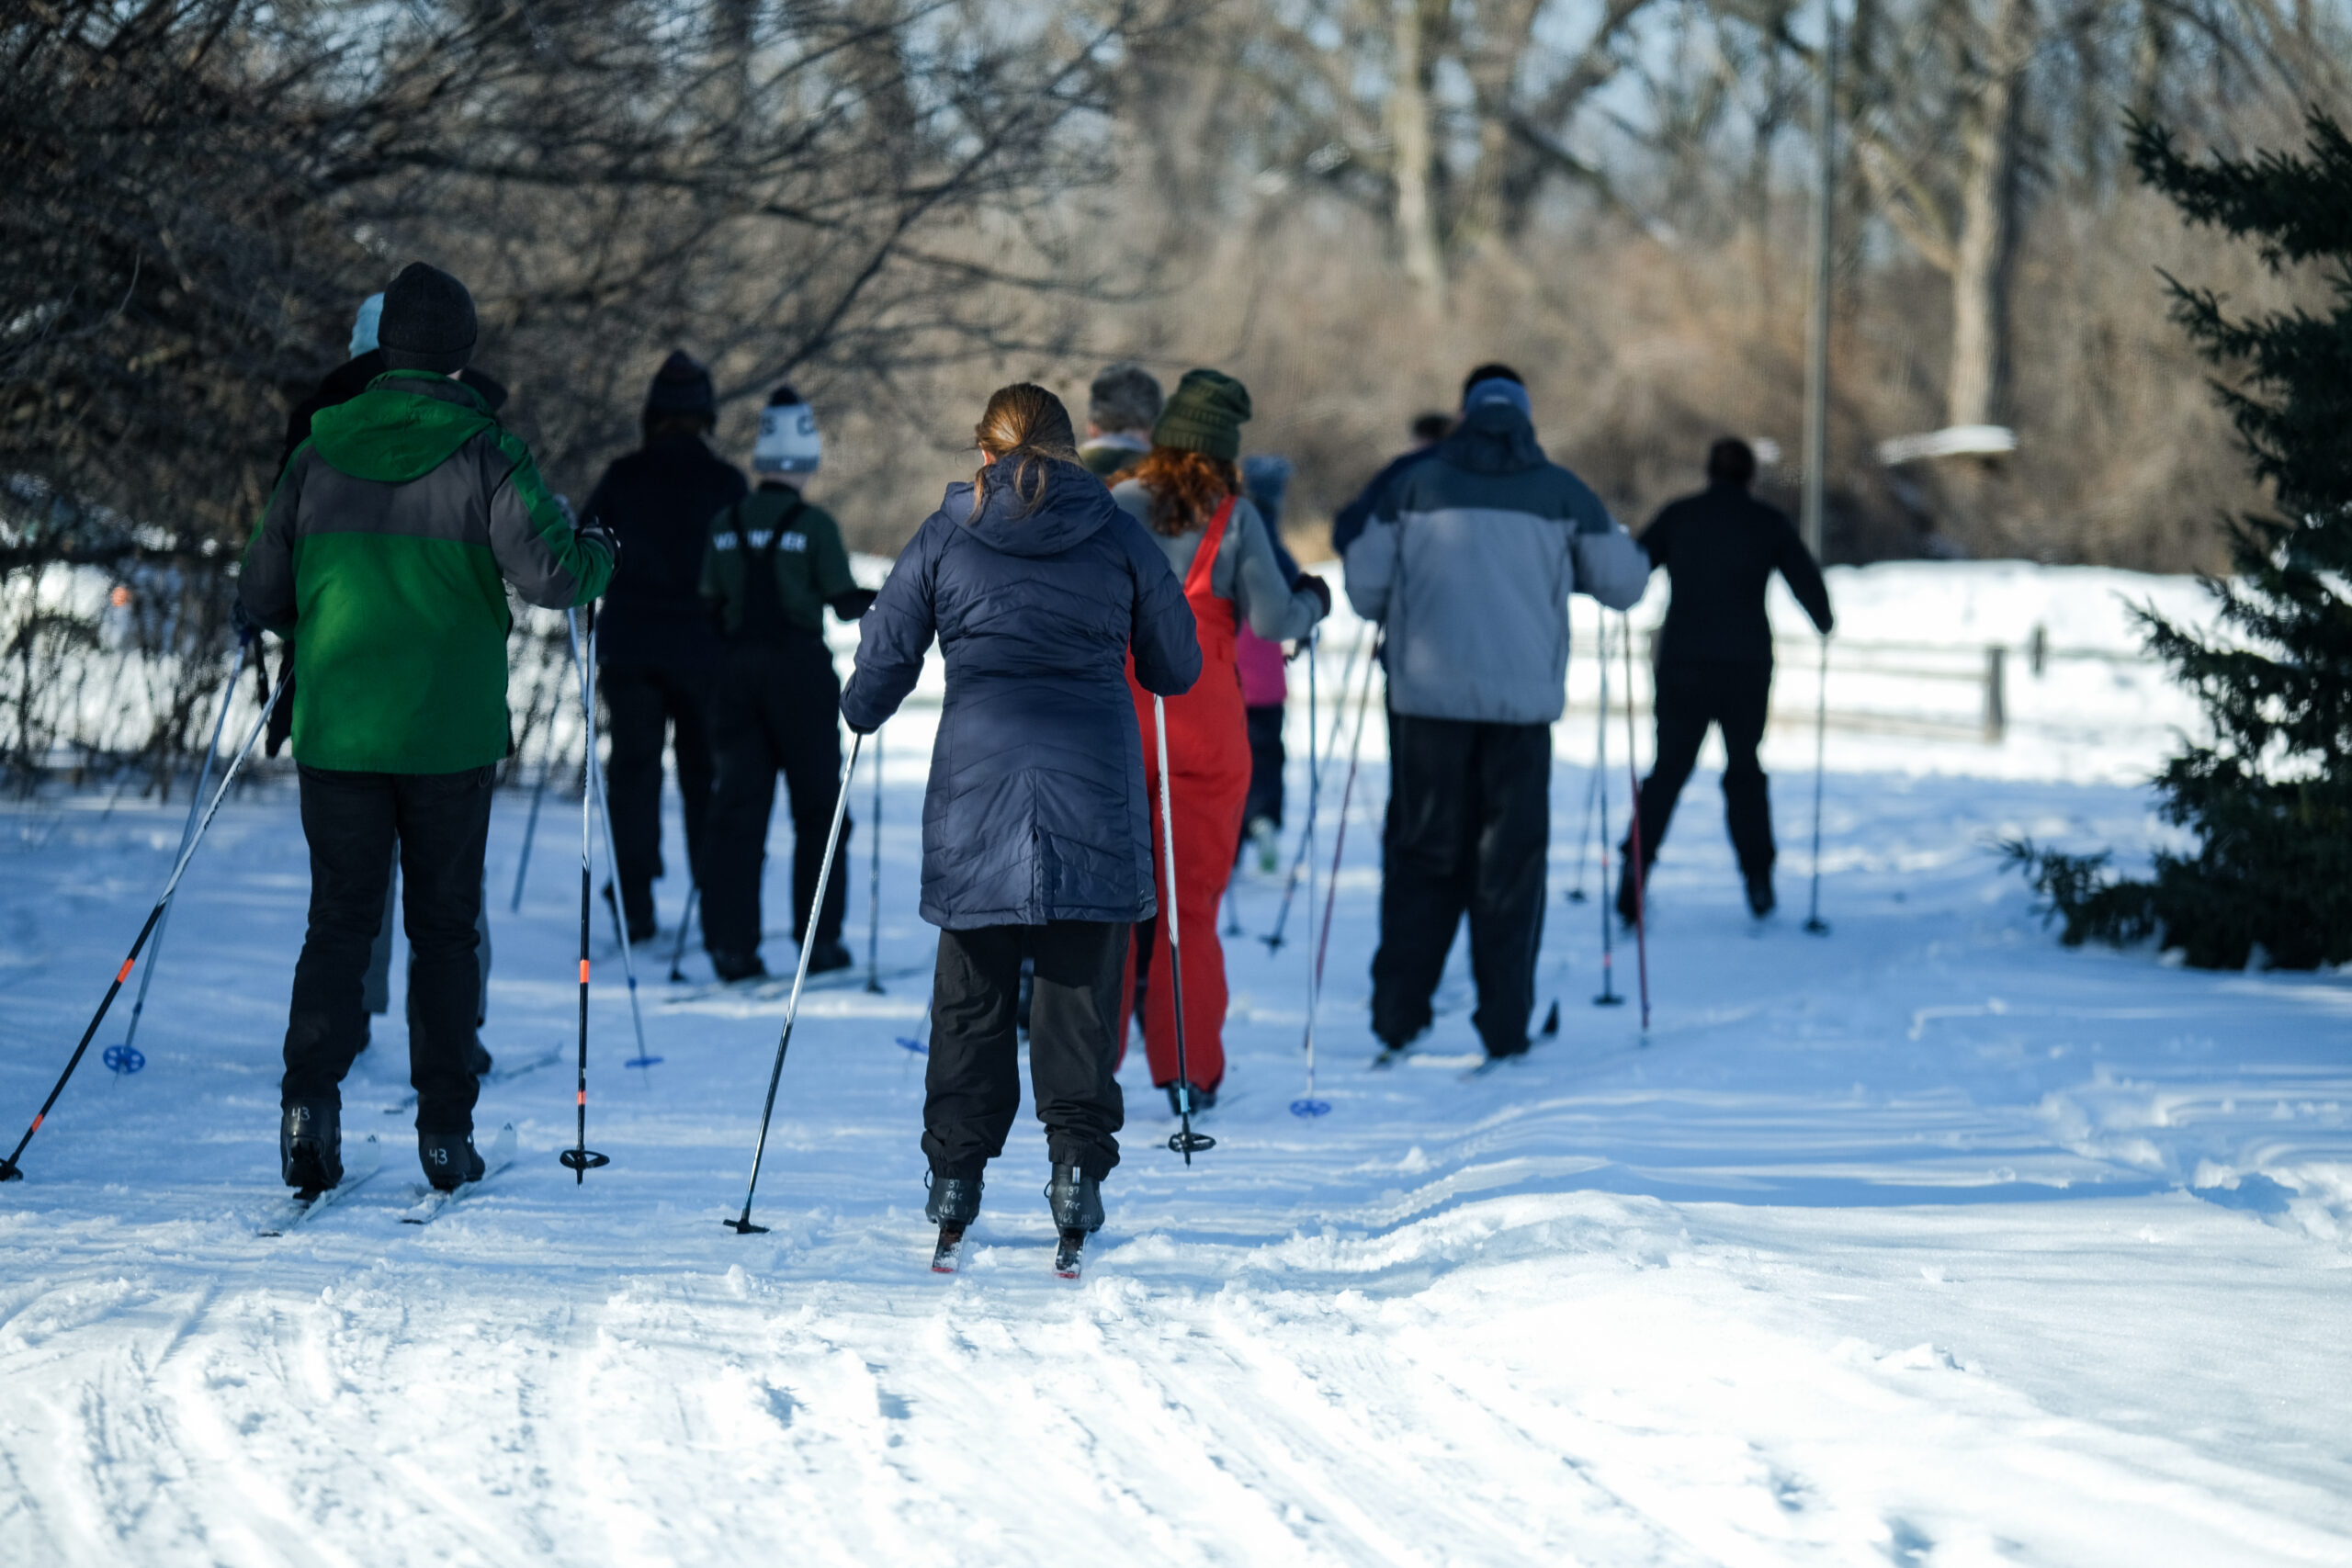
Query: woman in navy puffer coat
point(1037, 837)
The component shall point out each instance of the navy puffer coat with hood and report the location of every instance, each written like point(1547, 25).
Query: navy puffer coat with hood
point(1036, 809)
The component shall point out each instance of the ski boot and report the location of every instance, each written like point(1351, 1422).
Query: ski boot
point(828, 955)
point(733, 968)
point(449, 1159)
point(1077, 1202)
point(1267, 840)
point(309, 1146)
point(1760, 901)
point(954, 1205)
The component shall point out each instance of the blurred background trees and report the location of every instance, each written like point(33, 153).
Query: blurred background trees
point(899, 203)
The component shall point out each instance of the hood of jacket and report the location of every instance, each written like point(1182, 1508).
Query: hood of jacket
point(1076, 507)
point(1493, 438)
point(407, 424)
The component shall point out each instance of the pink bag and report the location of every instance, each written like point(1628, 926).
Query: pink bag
point(1261, 664)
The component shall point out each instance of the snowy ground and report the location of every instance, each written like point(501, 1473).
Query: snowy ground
point(1924, 1243)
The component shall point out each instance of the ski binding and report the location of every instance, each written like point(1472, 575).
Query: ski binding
point(431, 1205)
point(298, 1209)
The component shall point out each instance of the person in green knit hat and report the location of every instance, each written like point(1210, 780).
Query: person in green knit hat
point(387, 550)
point(1188, 494)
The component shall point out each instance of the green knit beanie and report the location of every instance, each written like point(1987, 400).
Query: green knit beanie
point(1204, 413)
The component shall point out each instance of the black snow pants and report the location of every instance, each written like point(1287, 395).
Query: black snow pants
point(1469, 826)
point(1690, 698)
point(1266, 759)
point(648, 703)
point(778, 710)
point(973, 1081)
point(350, 819)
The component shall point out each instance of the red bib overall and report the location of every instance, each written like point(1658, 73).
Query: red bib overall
point(1208, 764)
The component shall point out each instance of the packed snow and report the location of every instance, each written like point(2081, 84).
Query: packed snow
point(1924, 1242)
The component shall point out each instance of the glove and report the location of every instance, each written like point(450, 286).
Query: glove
point(598, 533)
point(246, 630)
point(853, 603)
point(1317, 586)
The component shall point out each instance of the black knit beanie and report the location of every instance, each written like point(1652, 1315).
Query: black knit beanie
point(1204, 413)
point(428, 322)
point(680, 387)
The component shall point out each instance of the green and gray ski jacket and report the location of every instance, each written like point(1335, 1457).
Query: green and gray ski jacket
point(384, 553)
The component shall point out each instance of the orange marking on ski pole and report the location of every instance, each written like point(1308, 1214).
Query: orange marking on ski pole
point(583, 1097)
point(124, 974)
point(583, 971)
point(36, 1122)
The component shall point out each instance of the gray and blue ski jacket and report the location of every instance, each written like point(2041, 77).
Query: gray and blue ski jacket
point(1469, 563)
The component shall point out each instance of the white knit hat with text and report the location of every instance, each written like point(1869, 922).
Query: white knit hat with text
point(788, 442)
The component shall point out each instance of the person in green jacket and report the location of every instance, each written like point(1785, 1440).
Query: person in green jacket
point(772, 565)
point(385, 552)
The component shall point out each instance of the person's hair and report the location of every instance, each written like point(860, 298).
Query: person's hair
point(1731, 461)
point(1491, 372)
point(1125, 396)
point(1185, 486)
point(660, 425)
point(1027, 430)
point(1432, 427)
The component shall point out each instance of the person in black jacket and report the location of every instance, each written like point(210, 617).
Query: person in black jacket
point(773, 564)
point(1037, 826)
point(657, 652)
point(1715, 658)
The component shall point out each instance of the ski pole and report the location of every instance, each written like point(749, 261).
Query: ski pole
point(530, 828)
point(1273, 939)
point(531, 823)
point(743, 1226)
point(194, 803)
point(1814, 923)
point(1187, 1142)
point(1308, 1105)
point(9, 1169)
point(1609, 997)
point(580, 1160)
point(874, 885)
point(1331, 887)
point(1639, 855)
point(678, 953)
point(1591, 793)
point(587, 660)
point(1338, 850)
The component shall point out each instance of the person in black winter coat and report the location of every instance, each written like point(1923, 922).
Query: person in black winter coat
point(1720, 549)
point(657, 652)
point(1036, 837)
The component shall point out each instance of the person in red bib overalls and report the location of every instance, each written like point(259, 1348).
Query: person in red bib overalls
point(1188, 493)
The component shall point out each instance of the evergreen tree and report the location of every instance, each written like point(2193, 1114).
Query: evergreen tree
point(2270, 799)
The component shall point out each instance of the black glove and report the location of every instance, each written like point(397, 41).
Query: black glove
point(246, 629)
point(281, 717)
point(601, 534)
point(853, 603)
point(1317, 586)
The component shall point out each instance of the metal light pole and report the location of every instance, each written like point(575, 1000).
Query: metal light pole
point(1816, 398)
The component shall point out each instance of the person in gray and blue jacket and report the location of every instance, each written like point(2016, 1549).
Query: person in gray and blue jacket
point(1467, 565)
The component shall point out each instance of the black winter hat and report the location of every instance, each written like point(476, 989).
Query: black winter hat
point(682, 385)
point(428, 322)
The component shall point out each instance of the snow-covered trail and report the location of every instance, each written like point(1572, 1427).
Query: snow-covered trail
point(1925, 1242)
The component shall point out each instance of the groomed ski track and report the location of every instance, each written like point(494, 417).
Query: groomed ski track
point(1930, 1243)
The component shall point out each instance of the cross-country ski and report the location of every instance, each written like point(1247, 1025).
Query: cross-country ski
point(293, 1213)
